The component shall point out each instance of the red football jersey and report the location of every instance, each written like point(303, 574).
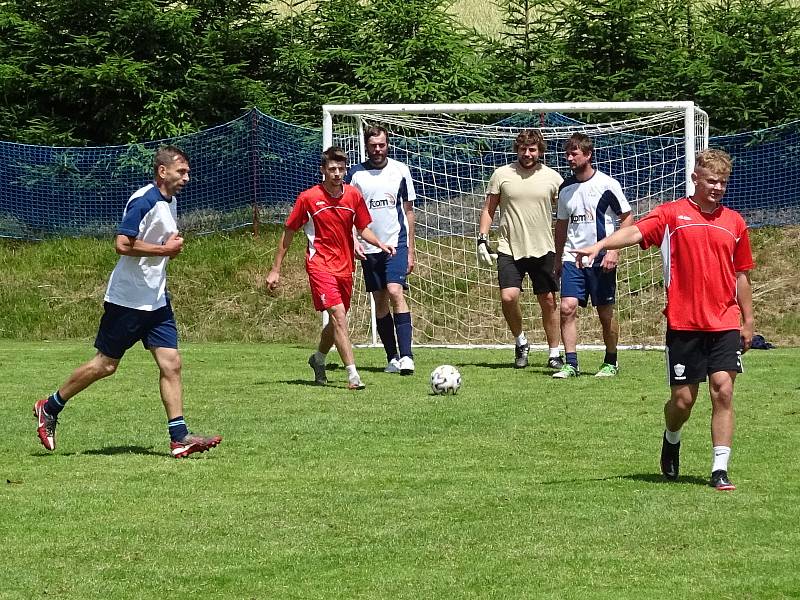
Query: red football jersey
point(328, 223)
point(702, 253)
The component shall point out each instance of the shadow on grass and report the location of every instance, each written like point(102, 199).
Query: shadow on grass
point(108, 451)
point(531, 368)
point(331, 385)
point(487, 365)
point(371, 369)
point(657, 478)
point(305, 382)
point(654, 478)
point(113, 450)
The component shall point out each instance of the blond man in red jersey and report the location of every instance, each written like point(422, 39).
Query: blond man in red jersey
point(707, 264)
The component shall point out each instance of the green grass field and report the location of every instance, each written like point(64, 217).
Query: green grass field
point(520, 486)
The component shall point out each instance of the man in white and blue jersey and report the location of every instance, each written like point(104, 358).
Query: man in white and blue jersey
point(589, 203)
point(137, 306)
point(388, 191)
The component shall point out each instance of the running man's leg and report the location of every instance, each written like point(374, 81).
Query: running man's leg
point(97, 368)
point(46, 410)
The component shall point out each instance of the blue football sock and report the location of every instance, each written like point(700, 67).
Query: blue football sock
point(177, 429)
point(55, 404)
point(402, 325)
point(571, 358)
point(385, 326)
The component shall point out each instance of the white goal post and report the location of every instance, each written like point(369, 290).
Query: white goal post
point(451, 151)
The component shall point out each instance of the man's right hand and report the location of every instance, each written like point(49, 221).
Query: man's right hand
point(585, 256)
point(558, 266)
point(485, 257)
point(272, 280)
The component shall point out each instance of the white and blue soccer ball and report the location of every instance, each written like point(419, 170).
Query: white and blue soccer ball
point(445, 379)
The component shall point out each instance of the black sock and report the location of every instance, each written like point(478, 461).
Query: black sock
point(571, 358)
point(402, 324)
point(177, 429)
point(55, 404)
point(385, 327)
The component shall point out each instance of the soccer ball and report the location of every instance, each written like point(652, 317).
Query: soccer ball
point(445, 379)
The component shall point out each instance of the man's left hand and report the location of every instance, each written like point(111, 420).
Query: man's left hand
point(747, 336)
point(610, 260)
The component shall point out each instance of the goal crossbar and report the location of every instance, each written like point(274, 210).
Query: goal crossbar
point(689, 108)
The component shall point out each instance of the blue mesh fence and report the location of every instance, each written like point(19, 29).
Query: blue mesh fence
point(255, 166)
point(763, 187)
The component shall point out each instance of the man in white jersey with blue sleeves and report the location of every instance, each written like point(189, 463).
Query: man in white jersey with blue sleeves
point(137, 306)
point(589, 203)
point(388, 191)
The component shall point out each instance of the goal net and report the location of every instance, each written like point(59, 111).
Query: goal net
point(452, 150)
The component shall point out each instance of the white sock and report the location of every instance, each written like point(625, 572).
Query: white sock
point(351, 372)
point(320, 357)
point(555, 352)
point(673, 437)
point(721, 456)
point(521, 339)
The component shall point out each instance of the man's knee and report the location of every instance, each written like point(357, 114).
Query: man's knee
point(395, 290)
point(509, 296)
point(169, 361)
point(720, 386)
point(103, 366)
point(547, 302)
point(568, 307)
point(338, 316)
point(683, 396)
point(606, 314)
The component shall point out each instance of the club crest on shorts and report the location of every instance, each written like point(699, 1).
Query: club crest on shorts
point(679, 370)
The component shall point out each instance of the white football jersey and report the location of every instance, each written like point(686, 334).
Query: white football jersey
point(591, 208)
point(140, 282)
point(384, 192)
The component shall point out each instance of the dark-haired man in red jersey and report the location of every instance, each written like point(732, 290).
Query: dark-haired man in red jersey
point(328, 212)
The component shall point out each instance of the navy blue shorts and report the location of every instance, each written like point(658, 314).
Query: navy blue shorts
point(121, 327)
point(592, 282)
point(693, 355)
point(381, 269)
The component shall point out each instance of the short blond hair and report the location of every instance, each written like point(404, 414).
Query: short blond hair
point(717, 161)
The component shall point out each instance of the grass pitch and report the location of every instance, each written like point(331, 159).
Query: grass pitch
point(520, 486)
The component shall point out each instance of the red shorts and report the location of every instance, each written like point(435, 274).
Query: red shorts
point(328, 290)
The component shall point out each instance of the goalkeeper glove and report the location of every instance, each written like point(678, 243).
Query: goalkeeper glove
point(485, 256)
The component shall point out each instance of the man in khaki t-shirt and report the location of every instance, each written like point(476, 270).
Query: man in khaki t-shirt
point(526, 192)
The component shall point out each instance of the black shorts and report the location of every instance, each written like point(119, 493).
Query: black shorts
point(510, 272)
point(693, 355)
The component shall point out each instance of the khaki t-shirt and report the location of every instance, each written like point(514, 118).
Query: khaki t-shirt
point(527, 197)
